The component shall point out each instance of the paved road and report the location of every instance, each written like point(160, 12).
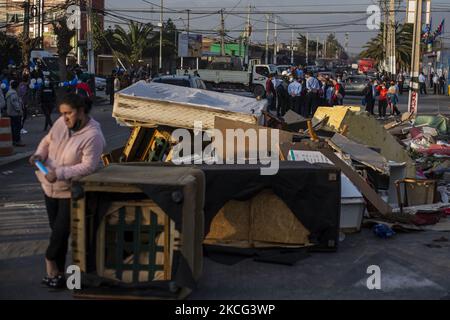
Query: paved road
point(409, 268)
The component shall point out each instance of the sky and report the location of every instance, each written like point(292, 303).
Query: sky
point(318, 17)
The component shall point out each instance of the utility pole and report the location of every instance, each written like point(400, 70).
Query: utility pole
point(385, 34)
point(247, 42)
point(413, 98)
point(78, 36)
point(275, 44)
point(317, 48)
point(307, 48)
point(26, 18)
point(38, 3)
point(161, 35)
point(222, 34)
point(392, 58)
point(292, 47)
point(41, 25)
point(324, 53)
point(90, 49)
point(346, 42)
point(267, 39)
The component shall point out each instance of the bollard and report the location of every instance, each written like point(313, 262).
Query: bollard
point(6, 145)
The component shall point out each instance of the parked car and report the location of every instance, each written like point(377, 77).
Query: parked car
point(354, 85)
point(182, 81)
point(100, 83)
point(282, 68)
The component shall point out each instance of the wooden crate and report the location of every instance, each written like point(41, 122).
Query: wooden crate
point(135, 243)
point(149, 253)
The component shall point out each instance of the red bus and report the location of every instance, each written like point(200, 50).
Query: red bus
point(367, 65)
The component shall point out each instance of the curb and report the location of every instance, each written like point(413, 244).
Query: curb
point(15, 158)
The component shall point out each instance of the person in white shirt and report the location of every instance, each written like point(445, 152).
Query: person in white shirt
point(422, 84)
point(295, 92)
point(435, 83)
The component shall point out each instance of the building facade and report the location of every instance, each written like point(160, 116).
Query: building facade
point(42, 14)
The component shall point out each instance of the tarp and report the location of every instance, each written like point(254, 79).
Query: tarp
point(439, 122)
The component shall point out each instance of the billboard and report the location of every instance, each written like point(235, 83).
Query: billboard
point(190, 47)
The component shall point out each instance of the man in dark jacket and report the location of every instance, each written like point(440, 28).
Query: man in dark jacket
point(48, 104)
point(270, 92)
point(15, 112)
point(369, 97)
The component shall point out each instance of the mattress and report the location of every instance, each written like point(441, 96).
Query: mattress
point(150, 104)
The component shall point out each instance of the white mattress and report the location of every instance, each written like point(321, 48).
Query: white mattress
point(165, 104)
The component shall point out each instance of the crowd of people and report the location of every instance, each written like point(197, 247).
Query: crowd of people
point(302, 92)
point(436, 82)
point(27, 92)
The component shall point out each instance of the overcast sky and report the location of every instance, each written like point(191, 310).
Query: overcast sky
point(318, 25)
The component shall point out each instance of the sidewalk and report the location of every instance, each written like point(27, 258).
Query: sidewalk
point(114, 134)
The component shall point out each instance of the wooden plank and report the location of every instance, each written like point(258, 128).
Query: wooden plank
point(78, 218)
point(167, 247)
point(222, 124)
point(360, 153)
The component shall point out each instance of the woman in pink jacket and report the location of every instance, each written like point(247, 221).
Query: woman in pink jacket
point(71, 150)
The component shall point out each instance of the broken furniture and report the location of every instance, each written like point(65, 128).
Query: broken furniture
point(145, 144)
point(299, 206)
point(364, 129)
point(413, 192)
point(137, 231)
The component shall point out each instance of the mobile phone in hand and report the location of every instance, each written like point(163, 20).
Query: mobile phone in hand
point(41, 167)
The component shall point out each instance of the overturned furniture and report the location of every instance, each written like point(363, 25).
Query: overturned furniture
point(362, 128)
point(138, 231)
point(297, 207)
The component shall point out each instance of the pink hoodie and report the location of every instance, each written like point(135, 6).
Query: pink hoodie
point(71, 157)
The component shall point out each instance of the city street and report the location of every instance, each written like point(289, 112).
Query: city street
point(255, 150)
point(410, 269)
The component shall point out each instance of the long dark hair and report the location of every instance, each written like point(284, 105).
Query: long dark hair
point(77, 102)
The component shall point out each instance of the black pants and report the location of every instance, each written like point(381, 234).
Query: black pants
point(400, 87)
point(370, 104)
point(16, 126)
point(25, 115)
point(58, 211)
point(423, 88)
point(47, 108)
point(296, 104)
point(382, 106)
point(312, 102)
point(435, 88)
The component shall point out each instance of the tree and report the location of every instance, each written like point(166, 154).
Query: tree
point(334, 48)
point(27, 44)
point(169, 47)
point(64, 36)
point(130, 45)
point(312, 47)
point(10, 49)
point(403, 46)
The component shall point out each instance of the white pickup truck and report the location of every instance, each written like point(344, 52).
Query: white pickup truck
point(254, 79)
